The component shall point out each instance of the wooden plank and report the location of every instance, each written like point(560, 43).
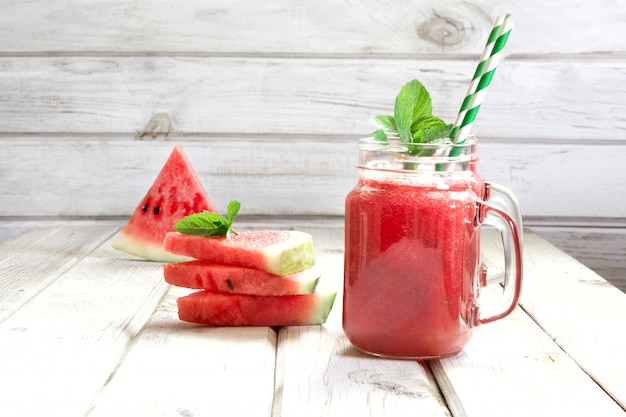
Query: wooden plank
point(529, 170)
point(68, 176)
point(579, 310)
point(511, 367)
point(63, 345)
point(602, 249)
point(616, 276)
point(32, 261)
point(318, 372)
point(596, 247)
point(9, 230)
point(374, 27)
point(24, 238)
point(178, 368)
point(267, 177)
point(298, 96)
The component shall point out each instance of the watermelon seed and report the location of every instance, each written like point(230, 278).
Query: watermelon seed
point(157, 209)
point(230, 284)
point(145, 207)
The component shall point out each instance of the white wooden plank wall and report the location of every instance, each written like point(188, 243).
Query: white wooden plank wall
point(269, 99)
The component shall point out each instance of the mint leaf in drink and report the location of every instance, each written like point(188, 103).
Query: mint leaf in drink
point(439, 132)
point(380, 136)
point(209, 224)
point(426, 122)
point(385, 122)
point(430, 128)
point(412, 103)
point(413, 120)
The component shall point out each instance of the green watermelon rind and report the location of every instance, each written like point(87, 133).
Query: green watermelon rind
point(325, 305)
point(146, 249)
point(289, 257)
point(308, 287)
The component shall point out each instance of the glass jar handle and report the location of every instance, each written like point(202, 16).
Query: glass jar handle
point(512, 247)
point(503, 198)
point(500, 196)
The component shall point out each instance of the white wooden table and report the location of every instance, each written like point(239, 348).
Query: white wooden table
point(87, 330)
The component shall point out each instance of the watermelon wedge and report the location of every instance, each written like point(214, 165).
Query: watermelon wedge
point(217, 309)
point(279, 252)
point(239, 280)
point(175, 193)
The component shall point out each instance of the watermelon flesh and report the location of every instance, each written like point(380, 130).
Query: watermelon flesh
point(176, 192)
point(218, 309)
point(239, 280)
point(279, 252)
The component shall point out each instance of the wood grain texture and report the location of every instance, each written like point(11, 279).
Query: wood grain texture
point(96, 76)
point(285, 176)
point(75, 331)
point(307, 27)
point(587, 322)
point(201, 370)
point(529, 99)
point(601, 249)
point(79, 81)
point(27, 272)
point(529, 375)
point(104, 339)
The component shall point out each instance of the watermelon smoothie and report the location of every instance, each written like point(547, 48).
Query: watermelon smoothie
point(410, 265)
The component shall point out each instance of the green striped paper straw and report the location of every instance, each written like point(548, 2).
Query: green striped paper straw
point(482, 78)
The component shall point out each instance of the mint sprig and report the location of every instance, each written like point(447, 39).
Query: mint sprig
point(208, 223)
point(412, 120)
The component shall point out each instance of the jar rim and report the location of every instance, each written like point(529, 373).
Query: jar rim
point(395, 141)
point(397, 156)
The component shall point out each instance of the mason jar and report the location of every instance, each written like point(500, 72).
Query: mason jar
point(412, 270)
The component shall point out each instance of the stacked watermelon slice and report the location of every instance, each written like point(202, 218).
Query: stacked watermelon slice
point(251, 278)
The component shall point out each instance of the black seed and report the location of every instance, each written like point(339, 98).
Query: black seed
point(157, 210)
point(230, 284)
point(145, 207)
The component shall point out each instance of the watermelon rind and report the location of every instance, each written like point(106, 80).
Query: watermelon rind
point(310, 286)
point(145, 249)
point(295, 255)
point(325, 305)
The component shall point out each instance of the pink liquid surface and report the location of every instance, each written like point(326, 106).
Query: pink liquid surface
point(411, 266)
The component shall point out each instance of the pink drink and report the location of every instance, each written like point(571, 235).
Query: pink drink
point(411, 264)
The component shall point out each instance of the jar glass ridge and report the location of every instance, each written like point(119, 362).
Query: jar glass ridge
point(400, 157)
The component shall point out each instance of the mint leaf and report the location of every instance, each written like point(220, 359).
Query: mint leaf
point(427, 128)
point(437, 132)
point(203, 224)
point(413, 122)
point(233, 210)
point(207, 223)
point(426, 122)
point(412, 103)
point(418, 136)
point(385, 122)
point(380, 136)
